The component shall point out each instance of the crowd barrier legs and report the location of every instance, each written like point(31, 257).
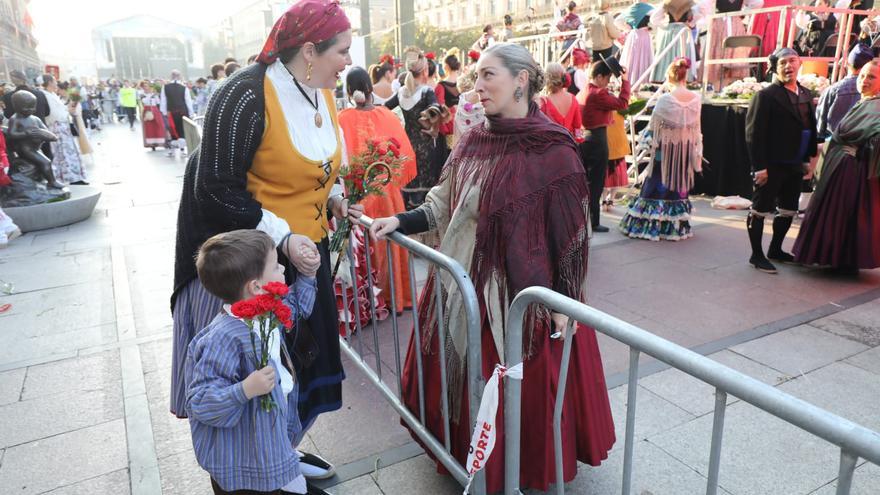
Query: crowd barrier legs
point(352, 342)
point(854, 441)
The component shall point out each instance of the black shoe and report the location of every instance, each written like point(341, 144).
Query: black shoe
point(313, 467)
point(79, 183)
point(761, 263)
point(780, 256)
point(600, 228)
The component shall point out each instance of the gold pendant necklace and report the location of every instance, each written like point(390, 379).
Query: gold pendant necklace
point(319, 121)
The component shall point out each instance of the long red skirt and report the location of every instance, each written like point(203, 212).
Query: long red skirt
point(587, 426)
point(842, 228)
point(153, 129)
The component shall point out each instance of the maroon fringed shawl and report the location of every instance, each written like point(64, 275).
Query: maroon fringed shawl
point(532, 228)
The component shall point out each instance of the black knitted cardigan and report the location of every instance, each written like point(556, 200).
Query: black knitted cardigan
point(215, 198)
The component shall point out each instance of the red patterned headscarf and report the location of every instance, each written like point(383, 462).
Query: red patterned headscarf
point(580, 56)
point(307, 21)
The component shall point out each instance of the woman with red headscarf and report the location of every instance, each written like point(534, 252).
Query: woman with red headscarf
point(578, 72)
point(269, 158)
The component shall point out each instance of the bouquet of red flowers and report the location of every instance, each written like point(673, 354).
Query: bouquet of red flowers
point(265, 313)
point(366, 175)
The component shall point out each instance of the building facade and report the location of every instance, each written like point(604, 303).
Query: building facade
point(18, 47)
point(243, 33)
point(147, 47)
point(530, 16)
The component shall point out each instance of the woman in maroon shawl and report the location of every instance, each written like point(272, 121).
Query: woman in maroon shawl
point(511, 207)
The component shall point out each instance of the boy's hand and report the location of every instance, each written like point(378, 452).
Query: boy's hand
point(313, 259)
point(294, 248)
point(260, 382)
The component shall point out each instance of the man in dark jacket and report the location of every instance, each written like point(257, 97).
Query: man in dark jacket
point(781, 135)
point(175, 104)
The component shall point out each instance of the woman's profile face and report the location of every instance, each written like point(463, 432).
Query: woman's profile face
point(495, 85)
point(327, 66)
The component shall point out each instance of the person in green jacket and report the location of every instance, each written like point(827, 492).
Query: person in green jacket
point(128, 102)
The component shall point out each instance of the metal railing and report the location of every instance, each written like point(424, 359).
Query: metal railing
point(854, 441)
point(354, 335)
point(786, 36)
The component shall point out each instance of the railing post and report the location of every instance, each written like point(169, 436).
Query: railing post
point(707, 59)
point(394, 327)
point(417, 336)
point(371, 295)
point(715, 449)
point(632, 387)
point(512, 390)
point(845, 474)
point(557, 408)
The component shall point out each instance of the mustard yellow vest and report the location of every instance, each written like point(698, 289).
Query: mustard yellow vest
point(287, 183)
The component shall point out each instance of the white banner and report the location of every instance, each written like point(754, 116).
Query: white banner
point(483, 439)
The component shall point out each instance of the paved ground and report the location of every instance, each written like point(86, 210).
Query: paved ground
point(85, 358)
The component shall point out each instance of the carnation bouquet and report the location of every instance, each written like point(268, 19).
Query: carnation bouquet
point(265, 314)
point(743, 89)
point(816, 84)
point(366, 175)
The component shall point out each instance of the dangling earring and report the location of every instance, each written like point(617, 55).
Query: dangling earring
point(309, 72)
point(518, 94)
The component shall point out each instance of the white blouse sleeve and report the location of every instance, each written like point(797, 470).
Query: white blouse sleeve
point(802, 20)
point(273, 225)
point(753, 4)
point(580, 79)
point(659, 17)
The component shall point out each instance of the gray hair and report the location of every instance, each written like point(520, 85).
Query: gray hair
point(517, 59)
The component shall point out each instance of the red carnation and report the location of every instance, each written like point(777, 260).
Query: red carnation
point(283, 313)
point(264, 303)
point(276, 288)
point(244, 309)
point(474, 55)
point(431, 55)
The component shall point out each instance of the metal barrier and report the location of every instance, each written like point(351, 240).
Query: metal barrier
point(192, 133)
point(439, 447)
point(788, 28)
point(855, 441)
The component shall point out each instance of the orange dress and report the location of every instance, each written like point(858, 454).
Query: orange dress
point(359, 126)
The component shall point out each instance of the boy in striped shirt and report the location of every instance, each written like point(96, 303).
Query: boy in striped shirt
point(242, 447)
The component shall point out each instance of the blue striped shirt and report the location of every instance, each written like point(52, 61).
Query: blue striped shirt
point(238, 444)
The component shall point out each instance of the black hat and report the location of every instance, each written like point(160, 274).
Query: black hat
point(613, 64)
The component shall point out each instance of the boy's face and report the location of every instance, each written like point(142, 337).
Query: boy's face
point(272, 272)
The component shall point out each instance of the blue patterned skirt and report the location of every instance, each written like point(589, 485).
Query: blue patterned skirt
point(658, 213)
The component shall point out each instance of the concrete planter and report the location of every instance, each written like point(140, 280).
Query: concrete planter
point(50, 215)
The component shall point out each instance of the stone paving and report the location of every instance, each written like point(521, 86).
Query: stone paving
point(85, 357)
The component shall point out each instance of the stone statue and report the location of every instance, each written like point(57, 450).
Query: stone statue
point(28, 166)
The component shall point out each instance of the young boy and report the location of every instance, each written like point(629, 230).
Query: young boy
point(243, 448)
